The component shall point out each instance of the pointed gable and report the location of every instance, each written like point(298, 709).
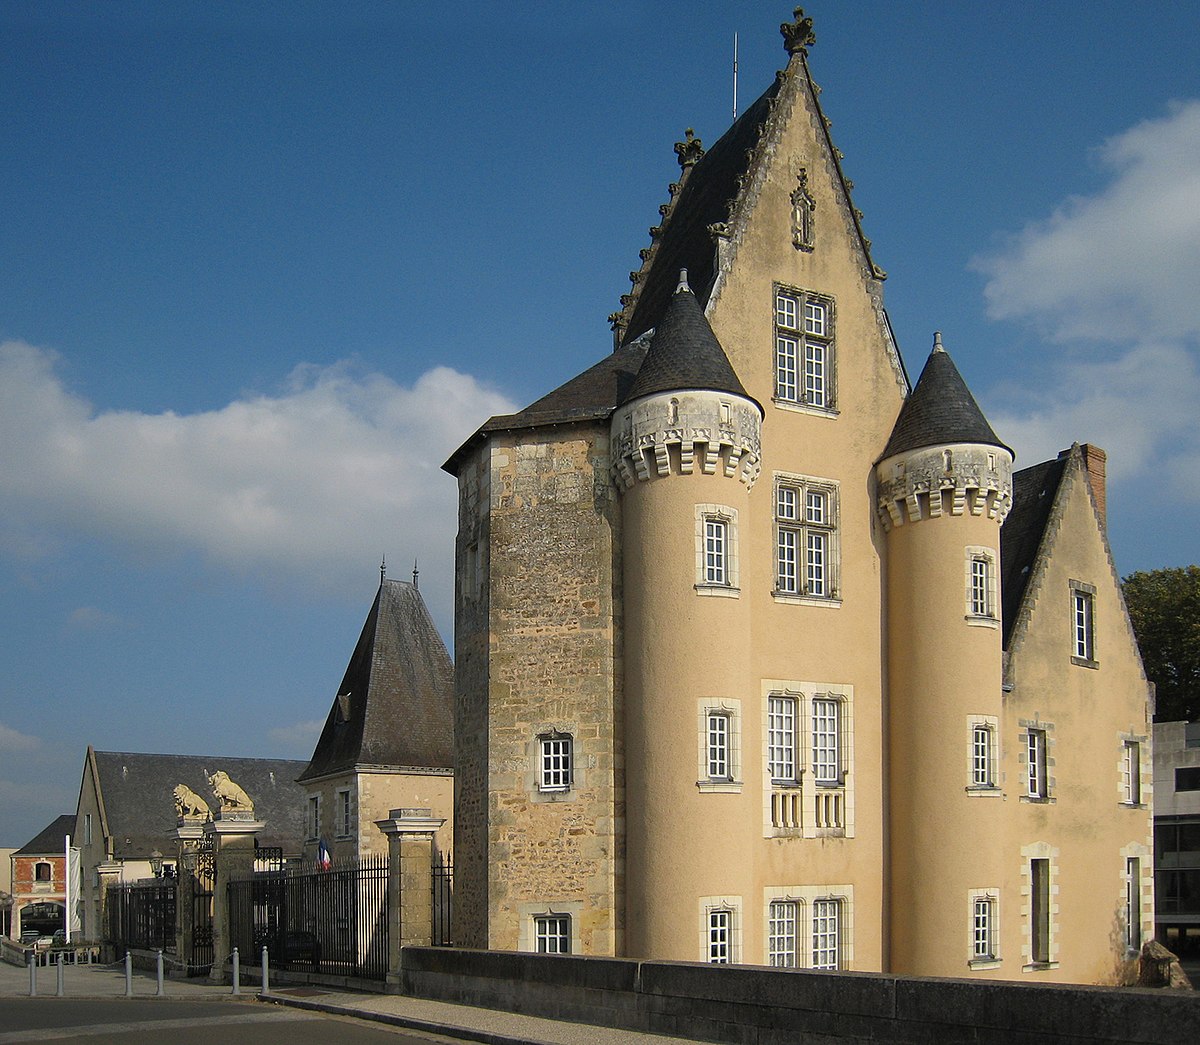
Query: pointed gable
point(1035, 491)
point(394, 707)
point(940, 411)
point(685, 353)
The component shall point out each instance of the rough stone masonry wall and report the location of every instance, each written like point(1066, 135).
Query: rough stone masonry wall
point(554, 641)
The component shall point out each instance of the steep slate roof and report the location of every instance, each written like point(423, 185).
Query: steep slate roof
point(940, 410)
point(394, 707)
point(50, 840)
point(685, 353)
point(140, 808)
point(704, 199)
point(591, 396)
point(1034, 491)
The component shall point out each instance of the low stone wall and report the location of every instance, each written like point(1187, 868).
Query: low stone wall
point(760, 1006)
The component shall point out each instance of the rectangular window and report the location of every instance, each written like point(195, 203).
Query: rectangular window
point(1131, 772)
point(555, 770)
point(826, 754)
point(1039, 926)
point(718, 747)
point(552, 933)
point(344, 820)
point(782, 927)
point(980, 603)
point(1035, 753)
point(314, 816)
point(811, 343)
point(826, 934)
point(805, 523)
point(983, 929)
point(716, 565)
point(1082, 613)
point(720, 936)
point(981, 756)
point(87, 828)
point(1133, 904)
point(781, 739)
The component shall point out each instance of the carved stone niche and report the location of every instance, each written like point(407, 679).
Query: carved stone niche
point(803, 211)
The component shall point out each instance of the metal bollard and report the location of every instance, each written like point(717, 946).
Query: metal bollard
point(128, 975)
point(32, 976)
point(60, 991)
point(237, 974)
point(266, 974)
point(159, 971)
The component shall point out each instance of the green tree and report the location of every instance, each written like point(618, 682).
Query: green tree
point(1164, 606)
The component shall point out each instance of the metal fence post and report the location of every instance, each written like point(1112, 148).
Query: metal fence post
point(128, 975)
point(32, 976)
point(237, 973)
point(266, 975)
point(158, 961)
point(59, 991)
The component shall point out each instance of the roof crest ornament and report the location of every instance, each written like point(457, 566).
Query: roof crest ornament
point(416, 574)
point(683, 283)
point(382, 569)
point(690, 150)
point(798, 36)
point(937, 341)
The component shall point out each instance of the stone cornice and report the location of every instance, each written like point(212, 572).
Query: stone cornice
point(944, 480)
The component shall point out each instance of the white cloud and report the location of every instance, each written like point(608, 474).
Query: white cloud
point(314, 482)
point(1110, 279)
point(11, 740)
point(298, 738)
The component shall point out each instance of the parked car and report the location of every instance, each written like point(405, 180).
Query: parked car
point(29, 937)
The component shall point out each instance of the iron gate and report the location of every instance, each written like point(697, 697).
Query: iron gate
point(201, 959)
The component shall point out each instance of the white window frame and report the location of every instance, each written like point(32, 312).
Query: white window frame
point(826, 764)
point(552, 933)
point(981, 586)
point(1083, 624)
point(717, 550)
point(720, 930)
point(784, 922)
point(720, 936)
point(783, 735)
point(1131, 772)
point(720, 768)
point(983, 755)
point(342, 811)
point(804, 350)
point(826, 934)
point(1037, 784)
point(984, 910)
point(806, 539)
point(556, 762)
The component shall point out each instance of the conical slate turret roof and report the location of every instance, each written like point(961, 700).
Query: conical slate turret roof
point(940, 410)
point(394, 707)
point(685, 353)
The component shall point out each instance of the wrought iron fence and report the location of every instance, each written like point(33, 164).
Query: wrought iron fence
point(443, 899)
point(332, 921)
point(141, 916)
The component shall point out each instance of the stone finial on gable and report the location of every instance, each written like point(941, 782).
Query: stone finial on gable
point(798, 35)
point(690, 150)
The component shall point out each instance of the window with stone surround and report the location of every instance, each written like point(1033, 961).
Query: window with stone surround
point(1036, 785)
point(314, 816)
point(827, 933)
point(1083, 624)
point(342, 811)
point(806, 545)
point(556, 762)
point(804, 349)
point(1131, 772)
point(985, 928)
point(720, 750)
point(983, 755)
point(981, 586)
point(717, 550)
point(43, 872)
point(721, 929)
point(552, 933)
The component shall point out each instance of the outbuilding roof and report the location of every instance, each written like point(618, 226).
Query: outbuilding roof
point(51, 840)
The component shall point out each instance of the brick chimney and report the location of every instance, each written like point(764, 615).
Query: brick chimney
point(1094, 460)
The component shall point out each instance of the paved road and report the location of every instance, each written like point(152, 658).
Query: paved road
point(153, 1021)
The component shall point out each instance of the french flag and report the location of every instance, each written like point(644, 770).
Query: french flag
point(323, 859)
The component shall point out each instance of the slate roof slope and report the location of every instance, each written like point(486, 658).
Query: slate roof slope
point(685, 353)
point(139, 807)
point(395, 705)
point(590, 396)
point(51, 839)
point(704, 199)
point(1034, 492)
point(940, 410)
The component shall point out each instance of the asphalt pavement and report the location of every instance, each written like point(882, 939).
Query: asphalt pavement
point(244, 1012)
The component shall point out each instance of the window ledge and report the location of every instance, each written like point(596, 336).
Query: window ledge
point(1083, 662)
point(984, 791)
point(984, 963)
point(1039, 966)
point(719, 591)
point(804, 408)
point(976, 621)
point(1133, 805)
point(719, 787)
point(1038, 800)
point(828, 602)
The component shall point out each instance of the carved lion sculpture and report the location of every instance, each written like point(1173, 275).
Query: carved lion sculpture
point(230, 796)
point(189, 805)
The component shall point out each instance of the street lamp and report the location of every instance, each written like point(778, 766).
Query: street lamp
point(156, 863)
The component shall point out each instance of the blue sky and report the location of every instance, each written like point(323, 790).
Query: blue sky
point(266, 265)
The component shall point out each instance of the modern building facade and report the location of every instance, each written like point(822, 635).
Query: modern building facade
point(1177, 834)
point(765, 655)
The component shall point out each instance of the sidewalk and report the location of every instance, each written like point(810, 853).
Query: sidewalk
point(463, 1022)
